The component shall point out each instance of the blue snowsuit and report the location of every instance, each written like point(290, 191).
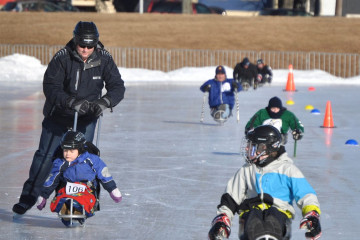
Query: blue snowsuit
point(84, 168)
point(221, 92)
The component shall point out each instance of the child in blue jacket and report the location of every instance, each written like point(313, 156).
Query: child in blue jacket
point(221, 94)
point(76, 176)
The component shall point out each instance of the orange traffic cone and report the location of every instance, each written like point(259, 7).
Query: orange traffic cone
point(328, 120)
point(290, 85)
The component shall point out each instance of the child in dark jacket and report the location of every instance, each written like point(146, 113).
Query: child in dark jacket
point(75, 176)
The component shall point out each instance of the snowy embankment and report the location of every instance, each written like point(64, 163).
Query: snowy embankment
point(23, 68)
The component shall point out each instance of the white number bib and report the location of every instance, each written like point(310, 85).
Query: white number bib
point(73, 188)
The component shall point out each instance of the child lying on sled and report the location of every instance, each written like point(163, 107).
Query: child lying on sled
point(75, 177)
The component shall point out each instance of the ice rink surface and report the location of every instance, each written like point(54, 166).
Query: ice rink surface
point(172, 170)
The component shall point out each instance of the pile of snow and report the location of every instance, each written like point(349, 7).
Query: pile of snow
point(23, 68)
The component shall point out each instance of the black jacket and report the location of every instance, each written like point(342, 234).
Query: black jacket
point(67, 72)
point(266, 70)
point(245, 73)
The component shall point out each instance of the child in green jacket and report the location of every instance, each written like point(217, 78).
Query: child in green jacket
point(278, 116)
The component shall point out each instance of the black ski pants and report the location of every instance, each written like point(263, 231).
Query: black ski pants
point(256, 223)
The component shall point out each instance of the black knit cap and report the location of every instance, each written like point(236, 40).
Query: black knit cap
point(275, 102)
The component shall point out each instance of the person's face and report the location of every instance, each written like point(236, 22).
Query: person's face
point(275, 109)
point(220, 77)
point(254, 150)
point(260, 66)
point(246, 66)
point(70, 154)
point(84, 51)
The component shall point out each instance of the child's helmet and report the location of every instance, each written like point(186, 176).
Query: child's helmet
point(262, 140)
point(73, 140)
point(86, 34)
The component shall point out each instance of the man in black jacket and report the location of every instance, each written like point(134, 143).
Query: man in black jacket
point(73, 82)
point(246, 73)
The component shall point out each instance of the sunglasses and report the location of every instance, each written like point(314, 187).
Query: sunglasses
point(88, 47)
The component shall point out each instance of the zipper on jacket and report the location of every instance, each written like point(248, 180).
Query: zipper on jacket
point(77, 79)
point(221, 100)
point(261, 188)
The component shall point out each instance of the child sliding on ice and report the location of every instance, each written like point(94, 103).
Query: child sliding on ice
point(263, 191)
point(75, 177)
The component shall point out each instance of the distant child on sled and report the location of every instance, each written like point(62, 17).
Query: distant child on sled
point(221, 94)
point(75, 177)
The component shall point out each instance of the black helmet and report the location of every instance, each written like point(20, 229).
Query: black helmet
point(86, 34)
point(261, 141)
point(73, 140)
point(260, 61)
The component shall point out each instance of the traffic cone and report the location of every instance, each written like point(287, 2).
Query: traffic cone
point(328, 120)
point(290, 85)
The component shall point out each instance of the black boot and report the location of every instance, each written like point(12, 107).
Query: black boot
point(21, 208)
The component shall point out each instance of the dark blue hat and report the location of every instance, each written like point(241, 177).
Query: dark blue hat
point(220, 70)
point(275, 102)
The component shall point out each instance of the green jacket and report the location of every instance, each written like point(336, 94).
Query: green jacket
point(286, 121)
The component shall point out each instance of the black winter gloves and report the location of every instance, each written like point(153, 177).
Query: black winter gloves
point(234, 85)
point(207, 88)
point(297, 134)
point(81, 106)
point(220, 227)
point(99, 105)
point(311, 222)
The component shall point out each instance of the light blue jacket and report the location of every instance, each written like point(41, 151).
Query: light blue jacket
point(281, 179)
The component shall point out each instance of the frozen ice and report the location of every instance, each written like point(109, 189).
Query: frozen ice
point(172, 169)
